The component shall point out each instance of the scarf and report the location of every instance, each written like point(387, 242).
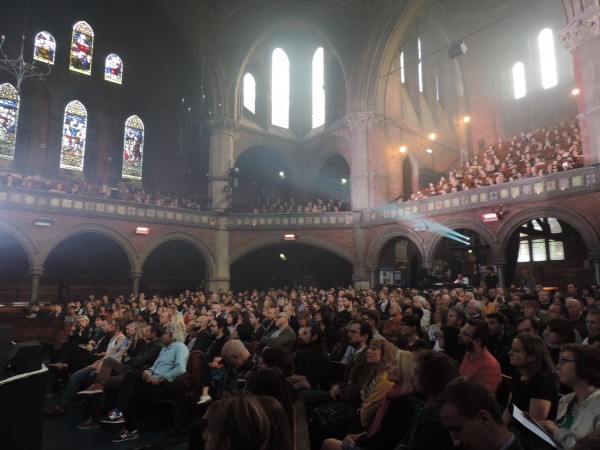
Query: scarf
point(395, 392)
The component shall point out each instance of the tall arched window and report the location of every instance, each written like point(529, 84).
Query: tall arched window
point(250, 93)
point(519, 85)
point(82, 45)
point(541, 240)
point(73, 139)
point(9, 117)
point(280, 89)
point(318, 88)
point(113, 69)
point(133, 148)
point(547, 58)
point(402, 71)
point(420, 66)
point(44, 47)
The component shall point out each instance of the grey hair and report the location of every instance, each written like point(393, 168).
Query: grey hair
point(176, 331)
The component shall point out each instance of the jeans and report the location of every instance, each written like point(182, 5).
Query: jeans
point(77, 381)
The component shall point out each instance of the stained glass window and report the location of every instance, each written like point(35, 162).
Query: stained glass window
point(280, 89)
point(82, 45)
point(113, 69)
point(73, 139)
point(9, 115)
point(250, 93)
point(133, 148)
point(318, 88)
point(44, 47)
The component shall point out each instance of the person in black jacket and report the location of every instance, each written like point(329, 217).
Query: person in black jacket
point(312, 364)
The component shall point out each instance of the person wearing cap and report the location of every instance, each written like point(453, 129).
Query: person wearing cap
point(411, 334)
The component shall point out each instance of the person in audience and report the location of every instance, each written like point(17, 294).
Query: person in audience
point(312, 363)
point(278, 357)
point(393, 415)
point(472, 416)
point(478, 363)
point(527, 325)
point(203, 336)
point(411, 334)
point(237, 423)
point(500, 341)
point(533, 387)
point(281, 435)
point(242, 365)
point(447, 342)
point(578, 412)
point(575, 308)
point(155, 382)
point(560, 333)
point(433, 371)
point(393, 327)
point(272, 382)
point(456, 317)
point(213, 376)
point(283, 336)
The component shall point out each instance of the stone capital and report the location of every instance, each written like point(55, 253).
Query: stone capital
point(224, 126)
point(584, 26)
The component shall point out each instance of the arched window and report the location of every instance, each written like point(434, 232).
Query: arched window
point(9, 117)
point(73, 139)
point(133, 148)
point(420, 67)
point(250, 93)
point(113, 69)
point(44, 47)
point(519, 85)
point(82, 45)
point(402, 72)
point(547, 58)
point(318, 88)
point(541, 240)
point(280, 89)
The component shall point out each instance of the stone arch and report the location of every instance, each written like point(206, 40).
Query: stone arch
point(125, 244)
point(25, 240)
point(581, 225)
point(306, 240)
point(326, 149)
point(435, 238)
point(194, 241)
point(383, 237)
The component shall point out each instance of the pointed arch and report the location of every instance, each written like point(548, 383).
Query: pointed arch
point(382, 238)
point(133, 148)
point(82, 47)
point(74, 136)
point(113, 69)
point(9, 118)
point(44, 47)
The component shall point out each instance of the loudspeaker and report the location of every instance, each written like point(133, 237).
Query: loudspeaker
point(457, 49)
point(24, 357)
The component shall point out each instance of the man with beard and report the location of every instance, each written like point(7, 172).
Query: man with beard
point(203, 338)
point(356, 374)
point(500, 342)
point(312, 363)
point(478, 363)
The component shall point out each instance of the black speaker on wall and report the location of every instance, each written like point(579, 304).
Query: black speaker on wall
point(457, 49)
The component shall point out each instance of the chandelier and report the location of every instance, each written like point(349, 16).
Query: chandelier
point(19, 68)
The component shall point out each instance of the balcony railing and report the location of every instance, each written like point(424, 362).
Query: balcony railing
point(549, 186)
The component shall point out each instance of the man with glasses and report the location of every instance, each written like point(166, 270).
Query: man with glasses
point(478, 363)
point(284, 336)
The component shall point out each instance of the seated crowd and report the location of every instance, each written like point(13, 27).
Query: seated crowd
point(529, 154)
point(375, 369)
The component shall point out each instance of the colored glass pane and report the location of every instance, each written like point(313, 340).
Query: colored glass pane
point(113, 70)
point(74, 135)
point(44, 47)
point(82, 45)
point(9, 116)
point(133, 148)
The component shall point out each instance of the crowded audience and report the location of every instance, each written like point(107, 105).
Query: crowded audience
point(356, 363)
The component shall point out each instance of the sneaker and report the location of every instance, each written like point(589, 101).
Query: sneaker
point(126, 435)
point(204, 399)
point(89, 424)
point(114, 416)
point(95, 388)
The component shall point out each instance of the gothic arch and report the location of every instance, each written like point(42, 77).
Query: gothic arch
point(383, 237)
point(583, 227)
point(308, 240)
point(434, 239)
point(194, 241)
point(130, 251)
point(325, 149)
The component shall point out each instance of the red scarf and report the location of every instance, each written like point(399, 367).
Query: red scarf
point(395, 392)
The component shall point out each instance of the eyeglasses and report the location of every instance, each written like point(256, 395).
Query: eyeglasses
point(562, 361)
point(464, 333)
point(353, 332)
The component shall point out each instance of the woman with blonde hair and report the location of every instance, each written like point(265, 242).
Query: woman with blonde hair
point(394, 414)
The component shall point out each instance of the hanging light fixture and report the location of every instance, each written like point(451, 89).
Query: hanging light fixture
point(19, 68)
